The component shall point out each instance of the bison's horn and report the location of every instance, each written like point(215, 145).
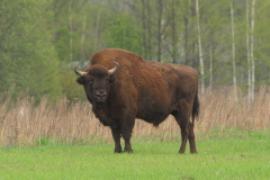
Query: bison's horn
point(111, 71)
point(80, 73)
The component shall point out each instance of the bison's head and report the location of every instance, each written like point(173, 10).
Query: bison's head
point(96, 81)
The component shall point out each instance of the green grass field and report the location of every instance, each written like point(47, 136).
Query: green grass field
point(241, 155)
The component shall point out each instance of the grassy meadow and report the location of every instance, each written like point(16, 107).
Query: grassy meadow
point(243, 155)
point(65, 141)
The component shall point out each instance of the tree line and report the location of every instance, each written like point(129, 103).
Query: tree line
point(42, 41)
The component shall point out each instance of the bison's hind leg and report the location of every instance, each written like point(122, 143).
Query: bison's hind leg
point(191, 137)
point(184, 132)
point(182, 116)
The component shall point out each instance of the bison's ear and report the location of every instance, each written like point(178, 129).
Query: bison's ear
point(81, 80)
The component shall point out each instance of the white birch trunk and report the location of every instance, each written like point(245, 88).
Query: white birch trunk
point(211, 68)
point(233, 54)
point(71, 32)
point(248, 50)
point(252, 19)
point(200, 48)
point(83, 36)
point(97, 30)
point(159, 34)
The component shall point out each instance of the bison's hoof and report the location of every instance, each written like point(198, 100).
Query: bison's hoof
point(117, 150)
point(129, 150)
point(181, 151)
point(193, 152)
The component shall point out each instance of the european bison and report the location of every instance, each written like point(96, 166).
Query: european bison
point(121, 86)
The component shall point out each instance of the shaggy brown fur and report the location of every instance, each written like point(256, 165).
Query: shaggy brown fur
point(139, 89)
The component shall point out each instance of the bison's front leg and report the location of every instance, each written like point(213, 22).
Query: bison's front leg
point(127, 136)
point(116, 138)
point(126, 130)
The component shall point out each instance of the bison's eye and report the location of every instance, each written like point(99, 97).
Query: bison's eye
point(90, 82)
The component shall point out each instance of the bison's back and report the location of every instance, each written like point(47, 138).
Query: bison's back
point(108, 56)
point(182, 78)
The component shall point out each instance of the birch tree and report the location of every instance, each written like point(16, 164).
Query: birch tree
point(248, 49)
point(252, 19)
point(97, 29)
point(210, 67)
point(159, 33)
point(71, 31)
point(146, 15)
point(233, 52)
point(201, 62)
point(173, 36)
point(149, 29)
point(84, 25)
point(144, 27)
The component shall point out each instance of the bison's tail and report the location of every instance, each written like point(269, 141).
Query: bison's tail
point(196, 107)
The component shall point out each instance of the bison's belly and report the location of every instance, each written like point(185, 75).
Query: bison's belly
point(153, 114)
point(154, 102)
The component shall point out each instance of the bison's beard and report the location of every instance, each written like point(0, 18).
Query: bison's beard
point(104, 119)
point(101, 115)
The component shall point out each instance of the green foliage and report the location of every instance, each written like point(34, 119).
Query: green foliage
point(28, 60)
point(122, 32)
point(70, 88)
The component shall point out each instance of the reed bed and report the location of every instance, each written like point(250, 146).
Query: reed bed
point(28, 123)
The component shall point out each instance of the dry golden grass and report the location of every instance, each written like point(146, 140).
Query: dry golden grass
point(25, 123)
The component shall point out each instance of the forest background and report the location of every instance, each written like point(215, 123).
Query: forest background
point(42, 41)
